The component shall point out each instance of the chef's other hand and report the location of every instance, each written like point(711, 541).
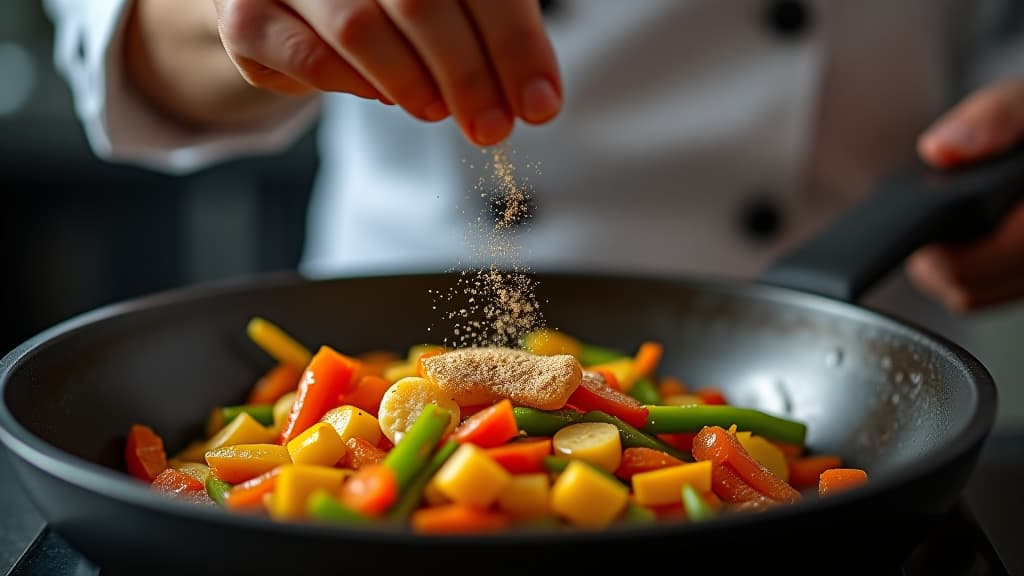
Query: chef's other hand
point(485, 62)
point(990, 270)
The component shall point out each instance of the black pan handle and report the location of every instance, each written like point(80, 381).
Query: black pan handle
point(910, 208)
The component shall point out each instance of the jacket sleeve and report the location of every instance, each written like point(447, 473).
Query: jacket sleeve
point(119, 124)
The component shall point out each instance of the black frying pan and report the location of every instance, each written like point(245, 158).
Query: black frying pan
point(910, 406)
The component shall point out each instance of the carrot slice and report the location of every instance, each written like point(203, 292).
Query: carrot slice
point(727, 485)
point(522, 457)
point(647, 357)
point(718, 445)
point(836, 480)
point(638, 459)
point(366, 394)
point(144, 454)
point(277, 382)
point(371, 490)
point(361, 452)
point(327, 376)
point(490, 427)
point(456, 519)
point(804, 472)
point(249, 494)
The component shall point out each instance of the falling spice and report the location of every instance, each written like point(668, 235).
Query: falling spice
point(494, 304)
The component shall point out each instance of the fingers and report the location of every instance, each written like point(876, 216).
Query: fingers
point(275, 49)
point(523, 58)
point(987, 272)
point(445, 38)
point(986, 123)
point(362, 33)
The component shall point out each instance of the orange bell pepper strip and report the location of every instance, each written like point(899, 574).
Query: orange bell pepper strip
point(595, 394)
point(718, 445)
point(277, 382)
point(457, 519)
point(836, 480)
point(366, 394)
point(647, 357)
point(328, 375)
point(361, 452)
point(144, 454)
point(522, 457)
point(490, 427)
point(804, 472)
point(249, 494)
point(637, 459)
point(371, 490)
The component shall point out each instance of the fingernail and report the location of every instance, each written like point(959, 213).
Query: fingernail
point(956, 135)
point(435, 111)
point(539, 100)
point(491, 126)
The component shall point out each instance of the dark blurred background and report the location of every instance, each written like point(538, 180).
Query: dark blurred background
point(79, 233)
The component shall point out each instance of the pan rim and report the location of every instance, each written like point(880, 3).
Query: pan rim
point(117, 486)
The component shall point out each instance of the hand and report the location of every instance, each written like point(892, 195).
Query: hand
point(988, 271)
point(485, 62)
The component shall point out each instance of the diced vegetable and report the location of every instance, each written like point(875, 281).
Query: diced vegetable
point(277, 343)
point(766, 453)
point(697, 508)
point(217, 489)
point(328, 375)
point(548, 342)
point(631, 437)
point(595, 442)
point(544, 422)
point(172, 481)
point(730, 487)
point(221, 416)
point(646, 359)
point(664, 486)
point(367, 393)
point(556, 464)
point(250, 494)
point(805, 472)
point(669, 386)
point(282, 409)
point(526, 497)
point(295, 482)
point(371, 490)
point(277, 382)
point(406, 399)
point(835, 480)
point(241, 462)
point(636, 460)
point(586, 497)
point(470, 477)
point(242, 430)
point(194, 469)
point(693, 418)
point(522, 457)
point(716, 444)
point(490, 427)
point(621, 371)
point(144, 454)
point(318, 445)
point(638, 514)
point(591, 355)
point(351, 422)
point(645, 392)
point(594, 394)
point(411, 497)
point(359, 453)
point(413, 451)
point(322, 506)
point(457, 519)
point(193, 452)
point(711, 396)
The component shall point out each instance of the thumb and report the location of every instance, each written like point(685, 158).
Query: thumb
point(984, 124)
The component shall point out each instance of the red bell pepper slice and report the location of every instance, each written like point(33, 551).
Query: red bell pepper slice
point(490, 427)
point(173, 481)
point(144, 454)
point(328, 375)
point(594, 394)
point(522, 457)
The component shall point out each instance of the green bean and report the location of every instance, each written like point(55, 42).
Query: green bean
point(631, 437)
point(645, 391)
point(675, 419)
point(217, 489)
point(638, 514)
point(591, 355)
point(262, 413)
point(697, 508)
point(556, 464)
point(410, 499)
point(417, 444)
point(543, 422)
point(322, 506)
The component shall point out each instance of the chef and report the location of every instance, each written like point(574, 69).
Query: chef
point(670, 136)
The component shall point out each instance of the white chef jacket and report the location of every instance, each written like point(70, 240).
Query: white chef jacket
point(682, 120)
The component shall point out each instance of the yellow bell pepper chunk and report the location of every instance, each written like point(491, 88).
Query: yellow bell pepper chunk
point(277, 343)
point(398, 370)
point(665, 486)
point(472, 477)
point(586, 497)
point(526, 497)
point(623, 371)
point(548, 342)
point(194, 469)
point(318, 445)
point(296, 482)
point(596, 442)
point(767, 454)
point(244, 429)
point(194, 452)
point(282, 408)
point(241, 462)
point(351, 422)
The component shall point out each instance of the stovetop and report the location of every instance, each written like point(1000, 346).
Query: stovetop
point(960, 544)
